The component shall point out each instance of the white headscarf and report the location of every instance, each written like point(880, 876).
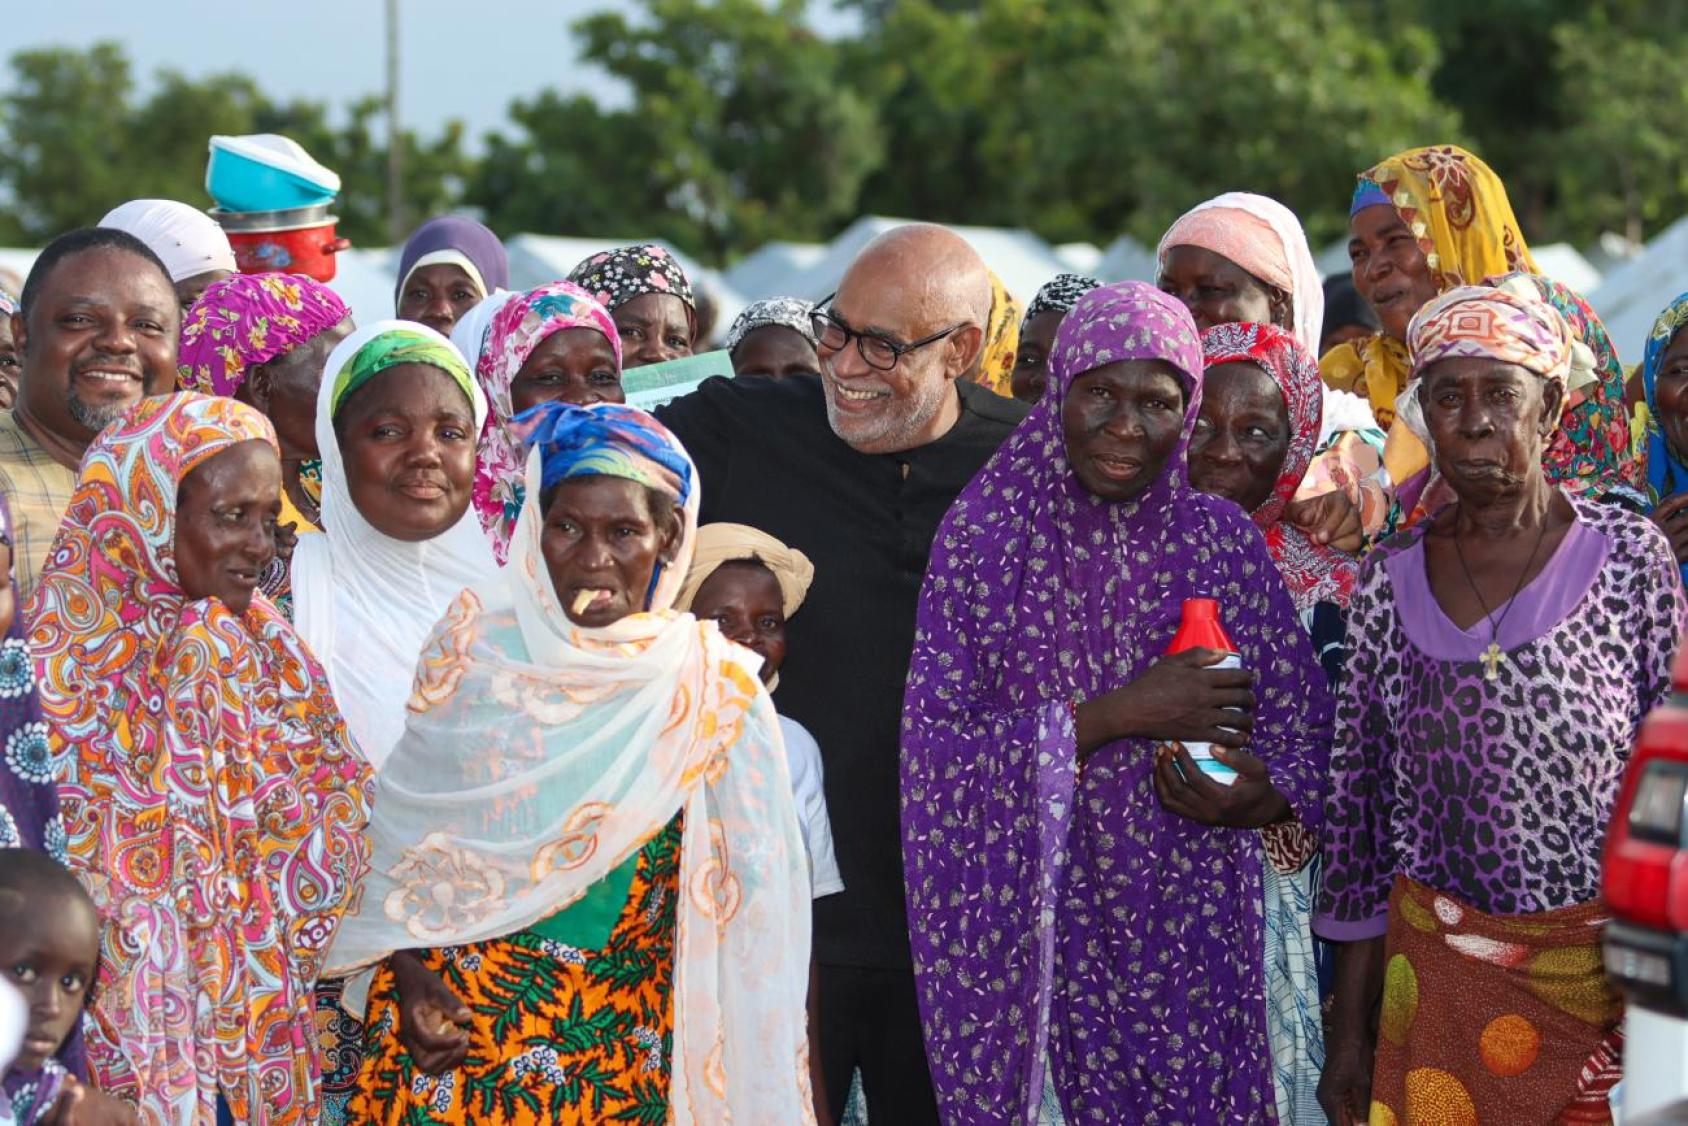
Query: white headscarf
point(1290, 260)
point(539, 756)
point(469, 333)
point(189, 241)
point(363, 601)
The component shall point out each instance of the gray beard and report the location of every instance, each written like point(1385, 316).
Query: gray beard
point(94, 418)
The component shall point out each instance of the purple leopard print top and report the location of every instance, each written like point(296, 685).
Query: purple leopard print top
point(1497, 792)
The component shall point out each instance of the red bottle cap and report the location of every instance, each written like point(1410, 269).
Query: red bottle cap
point(1200, 628)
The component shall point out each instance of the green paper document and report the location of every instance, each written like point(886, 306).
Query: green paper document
point(655, 384)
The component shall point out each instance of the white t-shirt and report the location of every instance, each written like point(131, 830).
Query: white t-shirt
point(803, 758)
point(14, 1021)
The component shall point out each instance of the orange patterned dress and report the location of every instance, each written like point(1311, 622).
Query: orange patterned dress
point(560, 1035)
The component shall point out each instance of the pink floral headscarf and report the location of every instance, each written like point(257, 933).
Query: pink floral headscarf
point(251, 319)
point(519, 326)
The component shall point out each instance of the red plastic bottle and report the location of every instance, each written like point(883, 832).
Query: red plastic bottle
point(1200, 628)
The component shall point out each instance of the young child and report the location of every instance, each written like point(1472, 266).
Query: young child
point(49, 952)
point(748, 584)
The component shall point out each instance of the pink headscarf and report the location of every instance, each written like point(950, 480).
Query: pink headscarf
point(1313, 572)
point(251, 319)
point(1265, 238)
point(519, 326)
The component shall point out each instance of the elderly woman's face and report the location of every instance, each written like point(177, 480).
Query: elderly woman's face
point(654, 327)
point(572, 365)
point(1217, 291)
point(1241, 436)
point(226, 510)
point(285, 389)
point(1122, 423)
point(602, 542)
point(1489, 422)
point(438, 296)
point(1670, 393)
point(408, 441)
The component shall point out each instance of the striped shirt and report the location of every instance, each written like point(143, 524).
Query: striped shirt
point(37, 491)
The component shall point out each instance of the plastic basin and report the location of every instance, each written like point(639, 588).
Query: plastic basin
point(245, 176)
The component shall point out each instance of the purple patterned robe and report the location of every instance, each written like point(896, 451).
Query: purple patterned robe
point(1073, 912)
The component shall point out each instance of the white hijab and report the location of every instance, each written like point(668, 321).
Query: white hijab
point(189, 241)
point(365, 602)
point(469, 334)
point(540, 755)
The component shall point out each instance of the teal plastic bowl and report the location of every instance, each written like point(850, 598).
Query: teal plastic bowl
point(240, 179)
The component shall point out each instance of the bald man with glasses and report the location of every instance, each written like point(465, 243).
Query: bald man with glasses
point(856, 468)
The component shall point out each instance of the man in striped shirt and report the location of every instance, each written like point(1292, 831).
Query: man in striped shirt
point(96, 332)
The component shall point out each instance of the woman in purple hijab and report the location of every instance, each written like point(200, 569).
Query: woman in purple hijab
point(449, 265)
point(1085, 904)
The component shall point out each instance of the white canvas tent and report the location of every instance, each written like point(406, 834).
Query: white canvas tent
point(767, 271)
point(1630, 298)
point(1020, 258)
point(1127, 259)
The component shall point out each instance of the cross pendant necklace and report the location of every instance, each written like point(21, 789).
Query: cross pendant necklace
point(1493, 657)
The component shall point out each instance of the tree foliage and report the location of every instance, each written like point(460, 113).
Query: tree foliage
point(1081, 119)
point(77, 138)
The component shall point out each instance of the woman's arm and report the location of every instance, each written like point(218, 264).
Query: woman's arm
point(1345, 1086)
point(432, 1019)
point(1178, 698)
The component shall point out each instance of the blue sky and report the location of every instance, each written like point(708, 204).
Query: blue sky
point(457, 61)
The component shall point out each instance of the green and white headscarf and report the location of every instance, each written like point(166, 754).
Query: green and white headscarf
point(364, 601)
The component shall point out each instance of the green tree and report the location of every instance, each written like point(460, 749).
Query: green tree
point(1625, 166)
point(76, 139)
point(1088, 120)
point(739, 129)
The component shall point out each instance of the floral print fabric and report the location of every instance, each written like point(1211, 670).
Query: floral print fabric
point(220, 827)
point(29, 796)
point(251, 319)
point(615, 277)
point(1066, 913)
point(521, 323)
point(585, 1034)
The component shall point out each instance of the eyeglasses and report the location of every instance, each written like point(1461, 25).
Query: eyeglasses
point(879, 352)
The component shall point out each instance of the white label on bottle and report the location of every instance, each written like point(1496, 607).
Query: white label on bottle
point(1203, 752)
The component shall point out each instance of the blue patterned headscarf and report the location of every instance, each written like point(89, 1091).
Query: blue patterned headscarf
point(606, 440)
point(1666, 473)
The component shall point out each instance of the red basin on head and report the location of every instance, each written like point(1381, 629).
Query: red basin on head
point(296, 242)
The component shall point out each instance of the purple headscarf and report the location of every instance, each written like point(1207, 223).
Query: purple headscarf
point(463, 238)
point(1050, 906)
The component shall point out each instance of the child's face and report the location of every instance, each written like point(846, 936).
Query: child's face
point(744, 599)
point(51, 961)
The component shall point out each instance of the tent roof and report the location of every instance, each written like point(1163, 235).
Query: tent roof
point(1632, 295)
